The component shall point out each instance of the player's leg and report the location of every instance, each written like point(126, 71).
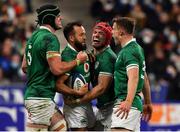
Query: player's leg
point(90, 116)
point(39, 113)
point(76, 117)
point(35, 127)
point(58, 122)
point(103, 117)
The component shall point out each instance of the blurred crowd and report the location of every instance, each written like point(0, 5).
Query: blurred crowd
point(14, 31)
point(158, 32)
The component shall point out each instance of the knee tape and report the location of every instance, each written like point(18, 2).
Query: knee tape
point(59, 126)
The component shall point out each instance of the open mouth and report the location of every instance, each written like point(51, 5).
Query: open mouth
point(96, 41)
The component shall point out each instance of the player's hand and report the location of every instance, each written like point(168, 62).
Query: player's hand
point(123, 109)
point(82, 56)
point(147, 112)
point(83, 90)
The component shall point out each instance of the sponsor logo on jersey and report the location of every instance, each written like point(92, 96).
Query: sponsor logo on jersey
point(86, 67)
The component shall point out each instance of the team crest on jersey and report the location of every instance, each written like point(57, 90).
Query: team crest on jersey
point(86, 67)
point(96, 64)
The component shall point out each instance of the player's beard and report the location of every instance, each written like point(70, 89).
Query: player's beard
point(79, 45)
point(58, 27)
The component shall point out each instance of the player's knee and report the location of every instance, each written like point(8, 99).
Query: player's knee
point(59, 126)
point(35, 129)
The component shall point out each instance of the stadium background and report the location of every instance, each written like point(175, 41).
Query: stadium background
point(158, 24)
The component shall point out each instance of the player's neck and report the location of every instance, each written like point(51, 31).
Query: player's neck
point(98, 51)
point(125, 40)
point(50, 28)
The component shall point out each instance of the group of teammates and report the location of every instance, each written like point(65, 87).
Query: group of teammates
point(117, 80)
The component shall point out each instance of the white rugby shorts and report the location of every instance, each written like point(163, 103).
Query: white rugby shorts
point(131, 123)
point(79, 116)
point(40, 110)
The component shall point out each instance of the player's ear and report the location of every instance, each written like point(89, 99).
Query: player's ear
point(71, 38)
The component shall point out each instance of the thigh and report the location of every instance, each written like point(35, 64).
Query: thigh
point(130, 123)
point(90, 115)
point(40, 111)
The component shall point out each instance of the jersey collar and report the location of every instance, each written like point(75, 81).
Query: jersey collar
point(44, 27)
point(102, 50)
point(71, 47)
point(133, 39)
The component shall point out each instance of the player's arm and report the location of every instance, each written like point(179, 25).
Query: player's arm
point(61, 87)
point(147, 107)
point(146, 90)
point(24, 64)
point(133, 78)
point(124, 107)
point(59, 67)
point(104, 82)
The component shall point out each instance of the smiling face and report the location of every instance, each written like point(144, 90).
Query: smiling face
point(98, 38)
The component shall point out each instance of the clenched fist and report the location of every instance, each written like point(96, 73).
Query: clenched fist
point(81, 56)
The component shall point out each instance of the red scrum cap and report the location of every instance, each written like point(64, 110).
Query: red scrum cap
point(105, 27)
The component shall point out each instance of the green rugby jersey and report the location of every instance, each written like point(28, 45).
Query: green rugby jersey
point(41, 82)
point(130, 55)
point(69, 54)
point(104, 65)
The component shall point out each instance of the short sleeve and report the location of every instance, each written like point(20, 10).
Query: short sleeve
point(52, 43)
point(107, 66)
point(130, 60)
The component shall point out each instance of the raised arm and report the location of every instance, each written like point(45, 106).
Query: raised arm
point(59, 67)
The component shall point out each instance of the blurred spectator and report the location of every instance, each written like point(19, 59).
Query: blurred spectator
point(174, 86)
point(103, 9)
point(28, 6)
point(14, 33)
point(3, 81)
point(16, 67)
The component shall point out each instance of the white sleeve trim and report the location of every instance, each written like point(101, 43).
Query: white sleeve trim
point(131, 66)
point(106, 74)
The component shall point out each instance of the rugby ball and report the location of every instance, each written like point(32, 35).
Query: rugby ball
point(76, 81)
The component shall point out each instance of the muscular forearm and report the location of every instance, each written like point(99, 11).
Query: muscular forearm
point(67, 66)
point(58, 67)
point(146, 90)
point(94, 93)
